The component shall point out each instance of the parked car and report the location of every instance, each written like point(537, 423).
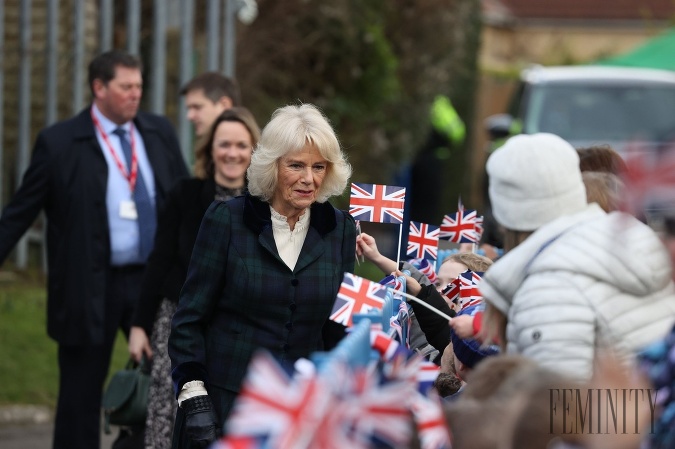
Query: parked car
point(590, 105)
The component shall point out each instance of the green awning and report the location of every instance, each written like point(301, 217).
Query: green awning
point(657, 53)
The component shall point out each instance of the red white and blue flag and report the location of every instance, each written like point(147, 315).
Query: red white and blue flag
point(377, 203)
point(356, 295)
point(426, 376)
point(426, 268)
point(271, 403)
point(381, 412)
point(400, 324)
point(241, 442)
point(392, 282)
point(451, 291)
point(384, 343)
point(423, 241)
point(460, 227)
point(469, 295)
point(431, 425)
point(346, 406)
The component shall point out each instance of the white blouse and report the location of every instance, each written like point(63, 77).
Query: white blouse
point(289, 243)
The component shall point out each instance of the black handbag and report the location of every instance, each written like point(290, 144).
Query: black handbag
point(125, 400)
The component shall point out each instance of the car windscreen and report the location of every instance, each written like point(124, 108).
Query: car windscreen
point(603, 112)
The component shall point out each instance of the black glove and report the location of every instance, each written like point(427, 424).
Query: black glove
point(200, 421)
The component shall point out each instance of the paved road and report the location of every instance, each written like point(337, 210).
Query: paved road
point(35, 436)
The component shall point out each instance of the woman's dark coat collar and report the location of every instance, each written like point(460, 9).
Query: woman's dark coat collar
point(257, 215)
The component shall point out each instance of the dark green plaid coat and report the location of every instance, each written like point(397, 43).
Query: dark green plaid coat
point(240, 296)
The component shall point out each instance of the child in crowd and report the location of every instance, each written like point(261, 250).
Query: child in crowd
point(468, 352)
point(574, 278)
point(451, 267)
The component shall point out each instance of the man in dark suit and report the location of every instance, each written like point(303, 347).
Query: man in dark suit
point(100, 177)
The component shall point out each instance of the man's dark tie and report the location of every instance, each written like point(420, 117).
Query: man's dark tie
point(147, 219)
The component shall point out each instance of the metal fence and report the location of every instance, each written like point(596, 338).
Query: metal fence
point(168, 18)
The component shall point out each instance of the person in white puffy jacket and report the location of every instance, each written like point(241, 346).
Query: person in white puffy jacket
point(575, 279)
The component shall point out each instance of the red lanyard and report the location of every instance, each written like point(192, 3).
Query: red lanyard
point(131, 177)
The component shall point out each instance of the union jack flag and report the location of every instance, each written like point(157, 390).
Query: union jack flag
point(426, 268)
point(427, 409)
point(272, 404)
point(356, 295)
point(451, 291)
point(426, 376)
point(394, 283)
point(469, 295)
point(245, 442)
point(336, 429)
point(383, 343)
point(460, 227)
point(381, 411)
point(430, 420)
point(377, 203)
point(423, 241)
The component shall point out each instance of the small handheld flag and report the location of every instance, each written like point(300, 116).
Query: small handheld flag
point(451, 291)
point(469, 295)
point(426, 268)
point(423, 241)
point(356, 295)
point(460, 227)
point(377, 203)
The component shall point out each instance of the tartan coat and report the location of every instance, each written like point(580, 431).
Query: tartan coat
point(240, 296)
point(167, 265)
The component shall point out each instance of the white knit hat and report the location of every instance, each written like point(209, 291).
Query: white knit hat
point(534, 179)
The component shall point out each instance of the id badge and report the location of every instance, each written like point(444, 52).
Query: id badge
point(128, 210)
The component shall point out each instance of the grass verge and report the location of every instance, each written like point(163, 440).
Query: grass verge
point(29, 369)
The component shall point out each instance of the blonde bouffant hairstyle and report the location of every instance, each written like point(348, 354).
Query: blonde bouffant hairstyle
point(291, 129)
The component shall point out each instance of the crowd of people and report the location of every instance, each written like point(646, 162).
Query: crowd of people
point(201, 272)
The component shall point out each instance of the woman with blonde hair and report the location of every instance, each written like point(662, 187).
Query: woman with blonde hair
point(265, 270)
point(220, 169)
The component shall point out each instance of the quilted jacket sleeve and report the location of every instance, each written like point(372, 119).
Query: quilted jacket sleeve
point(552, 322)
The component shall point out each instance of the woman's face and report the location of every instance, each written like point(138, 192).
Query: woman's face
point(299, 179)
point(231, 151)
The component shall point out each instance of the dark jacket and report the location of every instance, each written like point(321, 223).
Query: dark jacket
point(240, 296)
point(435, 327)
point(67, 177)
point(177, 228)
